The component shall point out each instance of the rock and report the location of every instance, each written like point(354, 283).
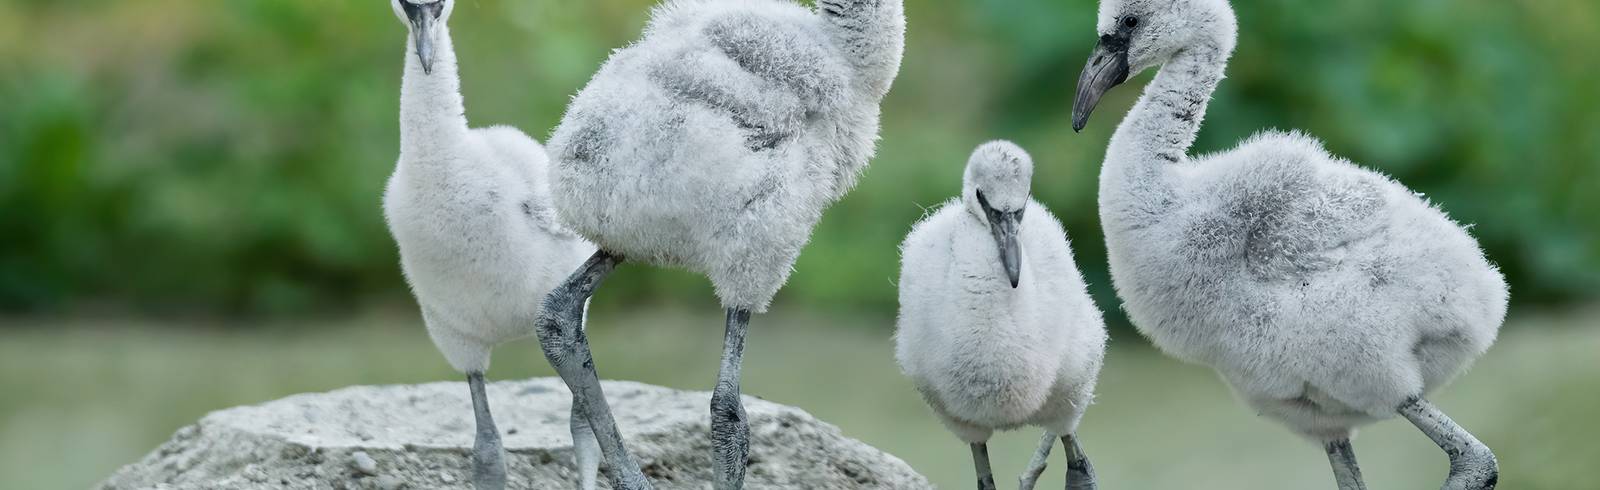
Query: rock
point(364, 464)
point(420, 437)
point(390, 482)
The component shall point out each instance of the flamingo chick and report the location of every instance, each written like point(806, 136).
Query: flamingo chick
point(479, 241)
point(714, 143)
point(996, 329)
point(1328, 295)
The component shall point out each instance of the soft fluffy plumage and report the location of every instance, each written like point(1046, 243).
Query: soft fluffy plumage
point(715, 142)
point(1325, 293)
point(471, 210)
point(987, 356)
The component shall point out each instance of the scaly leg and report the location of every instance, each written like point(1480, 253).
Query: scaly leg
point(488, 457)
point(566, 346)
point(1080, 474)
point(1472, 464)
point(730, 432)
point(1036, 466)
point(1345, 470)
point(585, 449)
point(980, 461)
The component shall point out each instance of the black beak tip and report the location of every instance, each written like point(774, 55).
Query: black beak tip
point(1014, 283)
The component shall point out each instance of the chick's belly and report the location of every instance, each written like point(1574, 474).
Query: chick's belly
point(993, 398)
point(641, 232)
point(992, 412)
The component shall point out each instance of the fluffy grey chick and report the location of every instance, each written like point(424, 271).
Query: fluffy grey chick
point(479, 241)
point(1328, 295)
point(996, 329)
point(714, 143)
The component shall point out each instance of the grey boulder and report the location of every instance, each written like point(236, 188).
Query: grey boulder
point(419, 437)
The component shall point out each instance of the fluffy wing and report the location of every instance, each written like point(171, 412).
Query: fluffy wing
point(768, 73)
point(1296, 209)
point(528, 159)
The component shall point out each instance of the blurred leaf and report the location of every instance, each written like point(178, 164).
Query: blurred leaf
point(230, 156)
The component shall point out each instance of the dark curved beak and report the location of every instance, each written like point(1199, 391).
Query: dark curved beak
point(423, 17)
point(1003, 226)
point(1107, 67)
point(1005, 236)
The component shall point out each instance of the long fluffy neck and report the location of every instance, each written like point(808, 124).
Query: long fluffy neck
point(1161, 127)
point(432, 113)
point(873, 33)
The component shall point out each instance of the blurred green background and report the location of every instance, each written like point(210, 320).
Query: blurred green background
point(189, 218)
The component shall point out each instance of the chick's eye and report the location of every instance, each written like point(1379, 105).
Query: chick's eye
point(1130, 21)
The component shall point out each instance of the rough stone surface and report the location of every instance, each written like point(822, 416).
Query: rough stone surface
point(419, 437)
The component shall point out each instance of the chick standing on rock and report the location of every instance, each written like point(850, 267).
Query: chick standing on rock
point(713, 144)
point(479, 241)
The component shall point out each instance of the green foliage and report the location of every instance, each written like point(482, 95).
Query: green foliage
point(229, 156)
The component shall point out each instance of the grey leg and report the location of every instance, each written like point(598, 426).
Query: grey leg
point(562, 338)
point(1041, 459)
point(585, 449)
point(488, 458)
point(1345, 471)
point(980, 461)
point(730, 433)
point(1080, 474)
point(1472, 464)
